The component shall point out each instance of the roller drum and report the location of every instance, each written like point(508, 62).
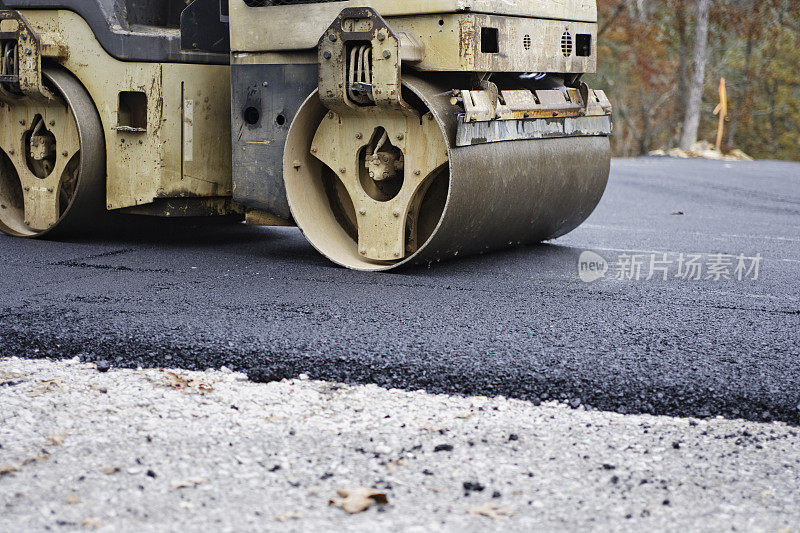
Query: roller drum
point(499, 194)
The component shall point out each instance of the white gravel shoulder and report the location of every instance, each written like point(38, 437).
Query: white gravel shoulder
point(156, 450)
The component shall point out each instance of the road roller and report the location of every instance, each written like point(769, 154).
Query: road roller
point(390, 133)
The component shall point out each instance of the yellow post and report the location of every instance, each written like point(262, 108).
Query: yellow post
point(722, 111)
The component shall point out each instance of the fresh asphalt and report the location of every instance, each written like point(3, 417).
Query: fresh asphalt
point(519, 323)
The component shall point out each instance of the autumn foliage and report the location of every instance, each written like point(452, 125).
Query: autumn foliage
point(645, 53)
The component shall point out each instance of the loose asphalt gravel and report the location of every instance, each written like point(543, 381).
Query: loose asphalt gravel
point(519, 323)
point(157, 450)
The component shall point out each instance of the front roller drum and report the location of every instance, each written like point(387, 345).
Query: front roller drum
point(52, 161)
point(374, 189)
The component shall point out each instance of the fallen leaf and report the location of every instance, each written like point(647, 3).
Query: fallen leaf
point(676, 213)
point(465, 416)
point(359, 499)
point(8, 470)
point(275, 418)
point(73, 499)
point(7, 378)
point(189, 483)
point(46, 386)
point(110, 470)
point(393, 465)
point(285, 517)
point(176, 381)
point(491, 510)
point(43, 456)
point(92, 523)
point(57, 439)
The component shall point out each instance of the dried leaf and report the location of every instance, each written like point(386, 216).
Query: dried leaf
point(176, 381)
point(491, 510)
point(465, 416)
point(7, 378)
point(285, 517)
point(44, 387)
point(92, 523)
point(73, 499)
point(110, 470)
point(275, 418)
point(189, 483)
point(359, 499)
point(57, 439)
point(43, 456)
point(8, 470)
point(393, 465)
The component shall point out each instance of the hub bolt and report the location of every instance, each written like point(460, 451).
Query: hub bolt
point(65, 153)
point(400, 137)
point(359, 135)
point(326, 54)
point(381, 37)
point(387, 54)
point(342, 170)
point(52, 123)
point(396, 214)
point(333, 37)
point(362, 212)
point(417, 172)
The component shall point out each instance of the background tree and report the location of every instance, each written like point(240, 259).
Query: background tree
point(646, 48)
point(691, 121)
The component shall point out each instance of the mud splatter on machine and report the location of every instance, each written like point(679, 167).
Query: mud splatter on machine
point(389, 132)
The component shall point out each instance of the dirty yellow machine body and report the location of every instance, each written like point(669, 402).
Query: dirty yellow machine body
point(389, 132)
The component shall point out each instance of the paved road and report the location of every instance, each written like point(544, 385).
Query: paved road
point(519, 323)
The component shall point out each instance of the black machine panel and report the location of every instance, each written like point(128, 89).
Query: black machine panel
point(115, 23)
point(265, 100)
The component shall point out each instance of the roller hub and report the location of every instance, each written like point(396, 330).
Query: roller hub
point(383, 173)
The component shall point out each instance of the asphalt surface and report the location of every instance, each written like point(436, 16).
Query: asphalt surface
point(520, 323)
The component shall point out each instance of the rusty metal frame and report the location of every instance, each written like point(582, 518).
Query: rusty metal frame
point(26, 80)
point(365, 26)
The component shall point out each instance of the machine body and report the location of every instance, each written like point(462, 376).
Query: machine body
point(389, 132)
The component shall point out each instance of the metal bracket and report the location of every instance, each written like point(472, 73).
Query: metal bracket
point(522, 114)
point(518, 104)
point(360, 58)
point(21, 64)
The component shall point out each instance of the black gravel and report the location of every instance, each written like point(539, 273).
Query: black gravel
point(519, 323)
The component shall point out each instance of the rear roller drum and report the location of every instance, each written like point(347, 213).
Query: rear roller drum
point(52, 161)
point(375, 188)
